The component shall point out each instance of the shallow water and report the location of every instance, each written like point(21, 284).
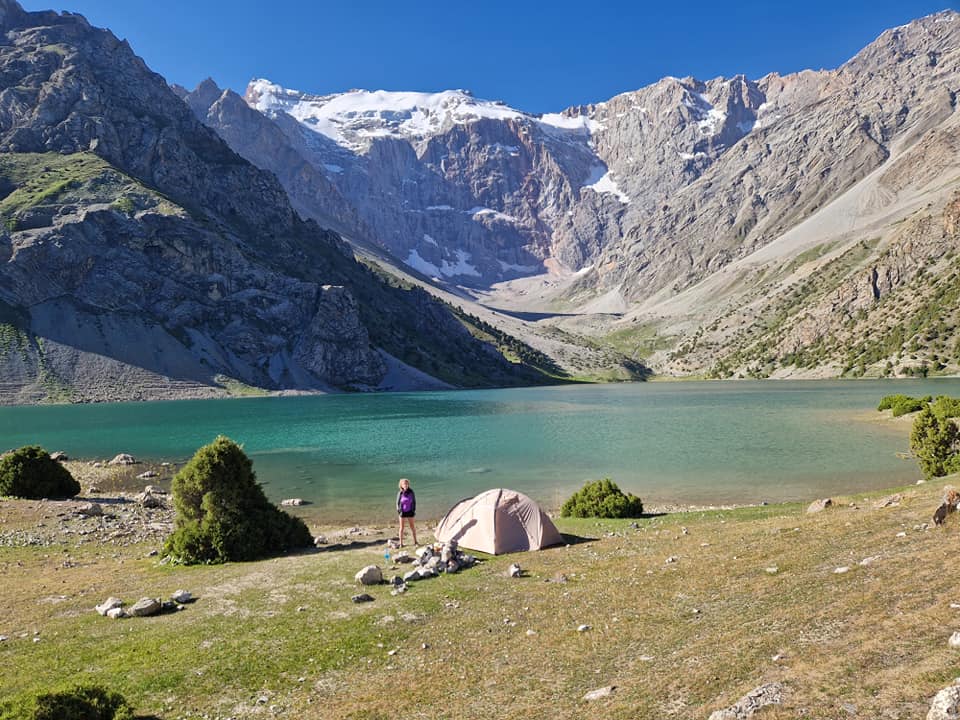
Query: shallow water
point(686, 442)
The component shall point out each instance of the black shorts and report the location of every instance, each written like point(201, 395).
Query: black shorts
point(407, 514)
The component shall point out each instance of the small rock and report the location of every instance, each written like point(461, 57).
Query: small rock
point(773, 570)
point(888, 501)
point(370, 575)
point(4, 638)
point(292, 502)
point(582, 628)
point(182, 596)
point(362, 598)
point(954, 606)
point(901, 534)
point(93, 490)
point(91, 509)
point(320, 540)
point(841, 570)
point(123, 459)
point(849, 708)
point(424, 646)
point(671, 559)
point(59, 456)
point(531, 633)
point(778, 657)
point(109, 604)
point(745, 707)
point(403, 557)
point(868, 560)
point(600, 693)
point(147, 475)
point(946, 703)
point(514, 571)
point(818, 505)
point(391, 652)
point(145, 607)
point(954, 640)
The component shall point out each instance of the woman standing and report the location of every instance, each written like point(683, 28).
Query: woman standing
point(407, 508)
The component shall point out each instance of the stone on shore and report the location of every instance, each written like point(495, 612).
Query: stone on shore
point(123, 459)
point(370, 575)
point(145, 607)
point(109, 604)
point(90, 509)
point(292, 502)
point(818, 505)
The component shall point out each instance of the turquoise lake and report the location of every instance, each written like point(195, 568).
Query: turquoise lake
point(697, 443)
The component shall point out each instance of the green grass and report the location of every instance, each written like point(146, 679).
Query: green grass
point(42, 179)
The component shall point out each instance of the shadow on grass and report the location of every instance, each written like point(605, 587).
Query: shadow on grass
point(352, 545)
point(569, 539)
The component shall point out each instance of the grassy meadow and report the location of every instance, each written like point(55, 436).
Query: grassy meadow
point(687, 613)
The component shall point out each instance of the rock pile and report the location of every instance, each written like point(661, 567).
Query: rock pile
point(745, 707)
point(113, 608)
point(430, 562)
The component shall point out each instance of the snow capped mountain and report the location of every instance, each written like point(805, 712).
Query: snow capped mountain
point(353, 118)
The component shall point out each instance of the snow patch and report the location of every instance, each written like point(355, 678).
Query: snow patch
point(428, 239)
point(601, 181)
point(478, 212)
point(579, 123)
point(447, 269)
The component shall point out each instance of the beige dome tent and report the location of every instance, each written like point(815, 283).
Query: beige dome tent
point(498, 521)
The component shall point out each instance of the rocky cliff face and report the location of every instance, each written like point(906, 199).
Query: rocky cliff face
point(141, 257)
point(675, 204)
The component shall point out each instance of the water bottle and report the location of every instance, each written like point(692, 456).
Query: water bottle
point(386, 555)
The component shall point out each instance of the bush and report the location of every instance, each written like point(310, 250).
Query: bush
point(945, 407)
point(222, 513)
point(933, 442)
point(903, 404)
point(602, 499)
point(80, 703)
point(30, 472)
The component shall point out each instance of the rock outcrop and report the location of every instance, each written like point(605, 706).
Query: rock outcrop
point(140, 257)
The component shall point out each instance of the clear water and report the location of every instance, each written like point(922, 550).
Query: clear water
point(690, 442)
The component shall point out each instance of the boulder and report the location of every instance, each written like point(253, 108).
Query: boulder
point(514, 570)
point(320, 540)
point(109, 604)
point(292, 502)
point(116, 613)
point(123, 459)
point(946, 703)
point(149, 500)
point(90, 509)
point(182, 596)
point(145, 607)
point(403, 557)
point(59, 456)
point(370, 575)
point(363, 597)
point(745, 707)
point(818, 505)
point(147, 475)
point(154, 490)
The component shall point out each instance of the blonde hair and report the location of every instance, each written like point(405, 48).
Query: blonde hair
point(402, 481)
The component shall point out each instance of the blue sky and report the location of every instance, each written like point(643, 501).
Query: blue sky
point(537, 56)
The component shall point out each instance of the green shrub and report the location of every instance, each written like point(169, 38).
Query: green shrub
point(945, 407)
point(80, 703)
point(30, 472)
point(602, 499)
point(903, 404)
point(933, 442)
point(222, 513)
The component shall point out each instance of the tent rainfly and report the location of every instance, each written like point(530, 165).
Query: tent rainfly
point(498, 521)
